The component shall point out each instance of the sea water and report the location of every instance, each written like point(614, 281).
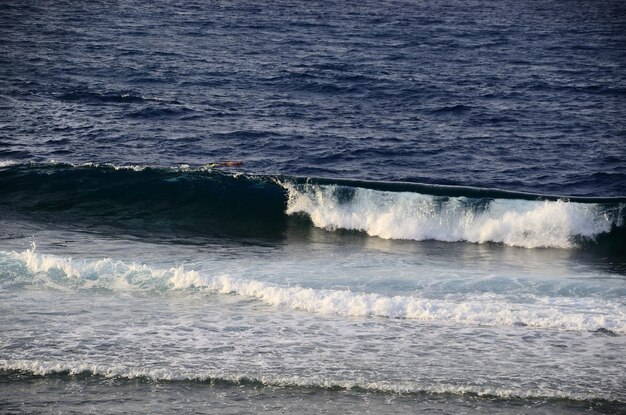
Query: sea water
point(430, 216)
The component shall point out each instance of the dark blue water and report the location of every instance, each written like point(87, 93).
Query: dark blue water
point(430, 213)
point(521, 96)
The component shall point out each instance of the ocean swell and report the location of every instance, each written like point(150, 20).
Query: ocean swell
point(204, 201)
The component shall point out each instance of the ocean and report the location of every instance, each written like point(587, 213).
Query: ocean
point(427, 213)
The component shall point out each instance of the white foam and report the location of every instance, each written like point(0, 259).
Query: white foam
point(7, 163)
point(404, 215)
point(45, 368)
point(135, 167)
point(561, 313)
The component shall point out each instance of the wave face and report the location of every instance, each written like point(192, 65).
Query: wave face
point(143, 199)
point(209, 202)
point(488, 309)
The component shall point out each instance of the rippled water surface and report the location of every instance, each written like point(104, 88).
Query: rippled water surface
point(523, 96)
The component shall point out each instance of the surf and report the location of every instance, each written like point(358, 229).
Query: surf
point(73, 370)
point(415, 216)
point(207, 201)
point(469, 309)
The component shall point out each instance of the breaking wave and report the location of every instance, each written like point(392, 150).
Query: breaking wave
point(206, 201)
point(44, 368)
point(415, 216)
point(561, 313)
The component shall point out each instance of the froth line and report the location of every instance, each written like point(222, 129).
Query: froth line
point(561, 313)
point(42, 368)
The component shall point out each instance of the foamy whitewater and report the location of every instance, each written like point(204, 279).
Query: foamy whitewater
point(138, 277)
point(42, 368)
point(393, 215)
point(270, 323)
point(564, 313)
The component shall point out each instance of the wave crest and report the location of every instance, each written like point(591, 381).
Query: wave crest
point(415, 216)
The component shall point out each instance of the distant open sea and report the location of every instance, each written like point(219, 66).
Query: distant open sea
point(429, 216)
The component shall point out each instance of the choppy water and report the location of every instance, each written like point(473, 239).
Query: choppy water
point(430, 215)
